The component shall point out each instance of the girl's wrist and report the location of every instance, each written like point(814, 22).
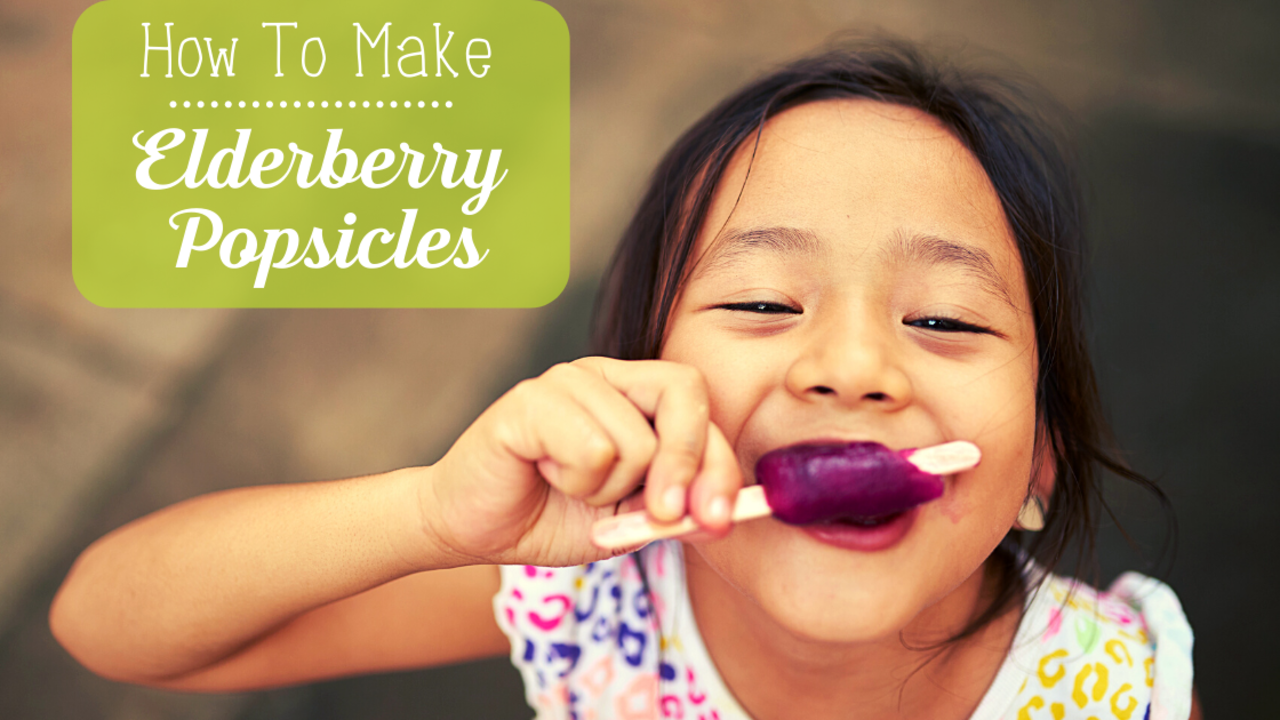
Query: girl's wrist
point(422, 542)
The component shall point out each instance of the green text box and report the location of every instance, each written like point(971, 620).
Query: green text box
point(446, 185)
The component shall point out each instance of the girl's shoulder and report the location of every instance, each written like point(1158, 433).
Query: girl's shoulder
point(1124, 653)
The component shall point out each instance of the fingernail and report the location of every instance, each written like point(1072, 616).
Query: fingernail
point(673, 498)
point(718, 508)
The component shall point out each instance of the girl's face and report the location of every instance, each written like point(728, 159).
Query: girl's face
point(862, 284)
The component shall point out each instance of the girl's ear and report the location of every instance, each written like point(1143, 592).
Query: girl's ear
point(1043, 475)
point(1044, 471)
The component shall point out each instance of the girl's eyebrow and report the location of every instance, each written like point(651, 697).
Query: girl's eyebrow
point(925, 249)
point(908, 248)
point(732, 244)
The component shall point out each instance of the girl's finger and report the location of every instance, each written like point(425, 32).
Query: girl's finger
point(571, 449)
point(716, 485)
point(675, 396)
point(630, 432)
point(681, 419)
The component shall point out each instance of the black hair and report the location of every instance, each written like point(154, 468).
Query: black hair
point(1020, 138)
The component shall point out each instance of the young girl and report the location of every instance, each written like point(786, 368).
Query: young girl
point(860, 246)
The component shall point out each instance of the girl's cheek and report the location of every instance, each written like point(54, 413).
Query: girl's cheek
point(953, 507)
point(733, 378)
point(730, 408)
point(996, 412)
point(992, 493)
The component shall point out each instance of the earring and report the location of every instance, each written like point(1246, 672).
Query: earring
point(1031, 516)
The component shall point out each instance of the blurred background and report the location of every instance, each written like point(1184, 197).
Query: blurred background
point(106, 415)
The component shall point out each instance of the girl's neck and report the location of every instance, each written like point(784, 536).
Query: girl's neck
point(776, 674)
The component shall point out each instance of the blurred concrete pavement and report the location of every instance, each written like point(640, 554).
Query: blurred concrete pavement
point(106, 414)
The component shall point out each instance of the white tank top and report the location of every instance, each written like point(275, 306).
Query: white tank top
point(592, 643)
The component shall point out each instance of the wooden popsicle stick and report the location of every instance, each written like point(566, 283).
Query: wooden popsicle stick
point(637, 528)
point(947, 458)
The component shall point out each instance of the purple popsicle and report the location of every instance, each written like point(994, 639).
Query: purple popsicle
point(861, 482)
point(848, 481)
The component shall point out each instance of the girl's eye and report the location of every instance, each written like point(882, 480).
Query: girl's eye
point(942, 324)
point(764, 308)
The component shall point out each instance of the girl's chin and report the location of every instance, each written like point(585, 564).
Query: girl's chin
point(873, 535)
point(825, 583)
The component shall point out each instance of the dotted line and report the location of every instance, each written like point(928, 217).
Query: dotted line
point(309, 103)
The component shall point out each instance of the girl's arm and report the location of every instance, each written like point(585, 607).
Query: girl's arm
point(274, 585)
point(282, 584)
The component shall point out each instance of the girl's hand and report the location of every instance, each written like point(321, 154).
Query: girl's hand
point(524, 483)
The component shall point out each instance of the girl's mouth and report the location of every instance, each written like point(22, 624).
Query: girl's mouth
point(865, 534)
point(866, 522)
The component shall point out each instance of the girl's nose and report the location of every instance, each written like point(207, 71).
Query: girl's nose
point(853, 364)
